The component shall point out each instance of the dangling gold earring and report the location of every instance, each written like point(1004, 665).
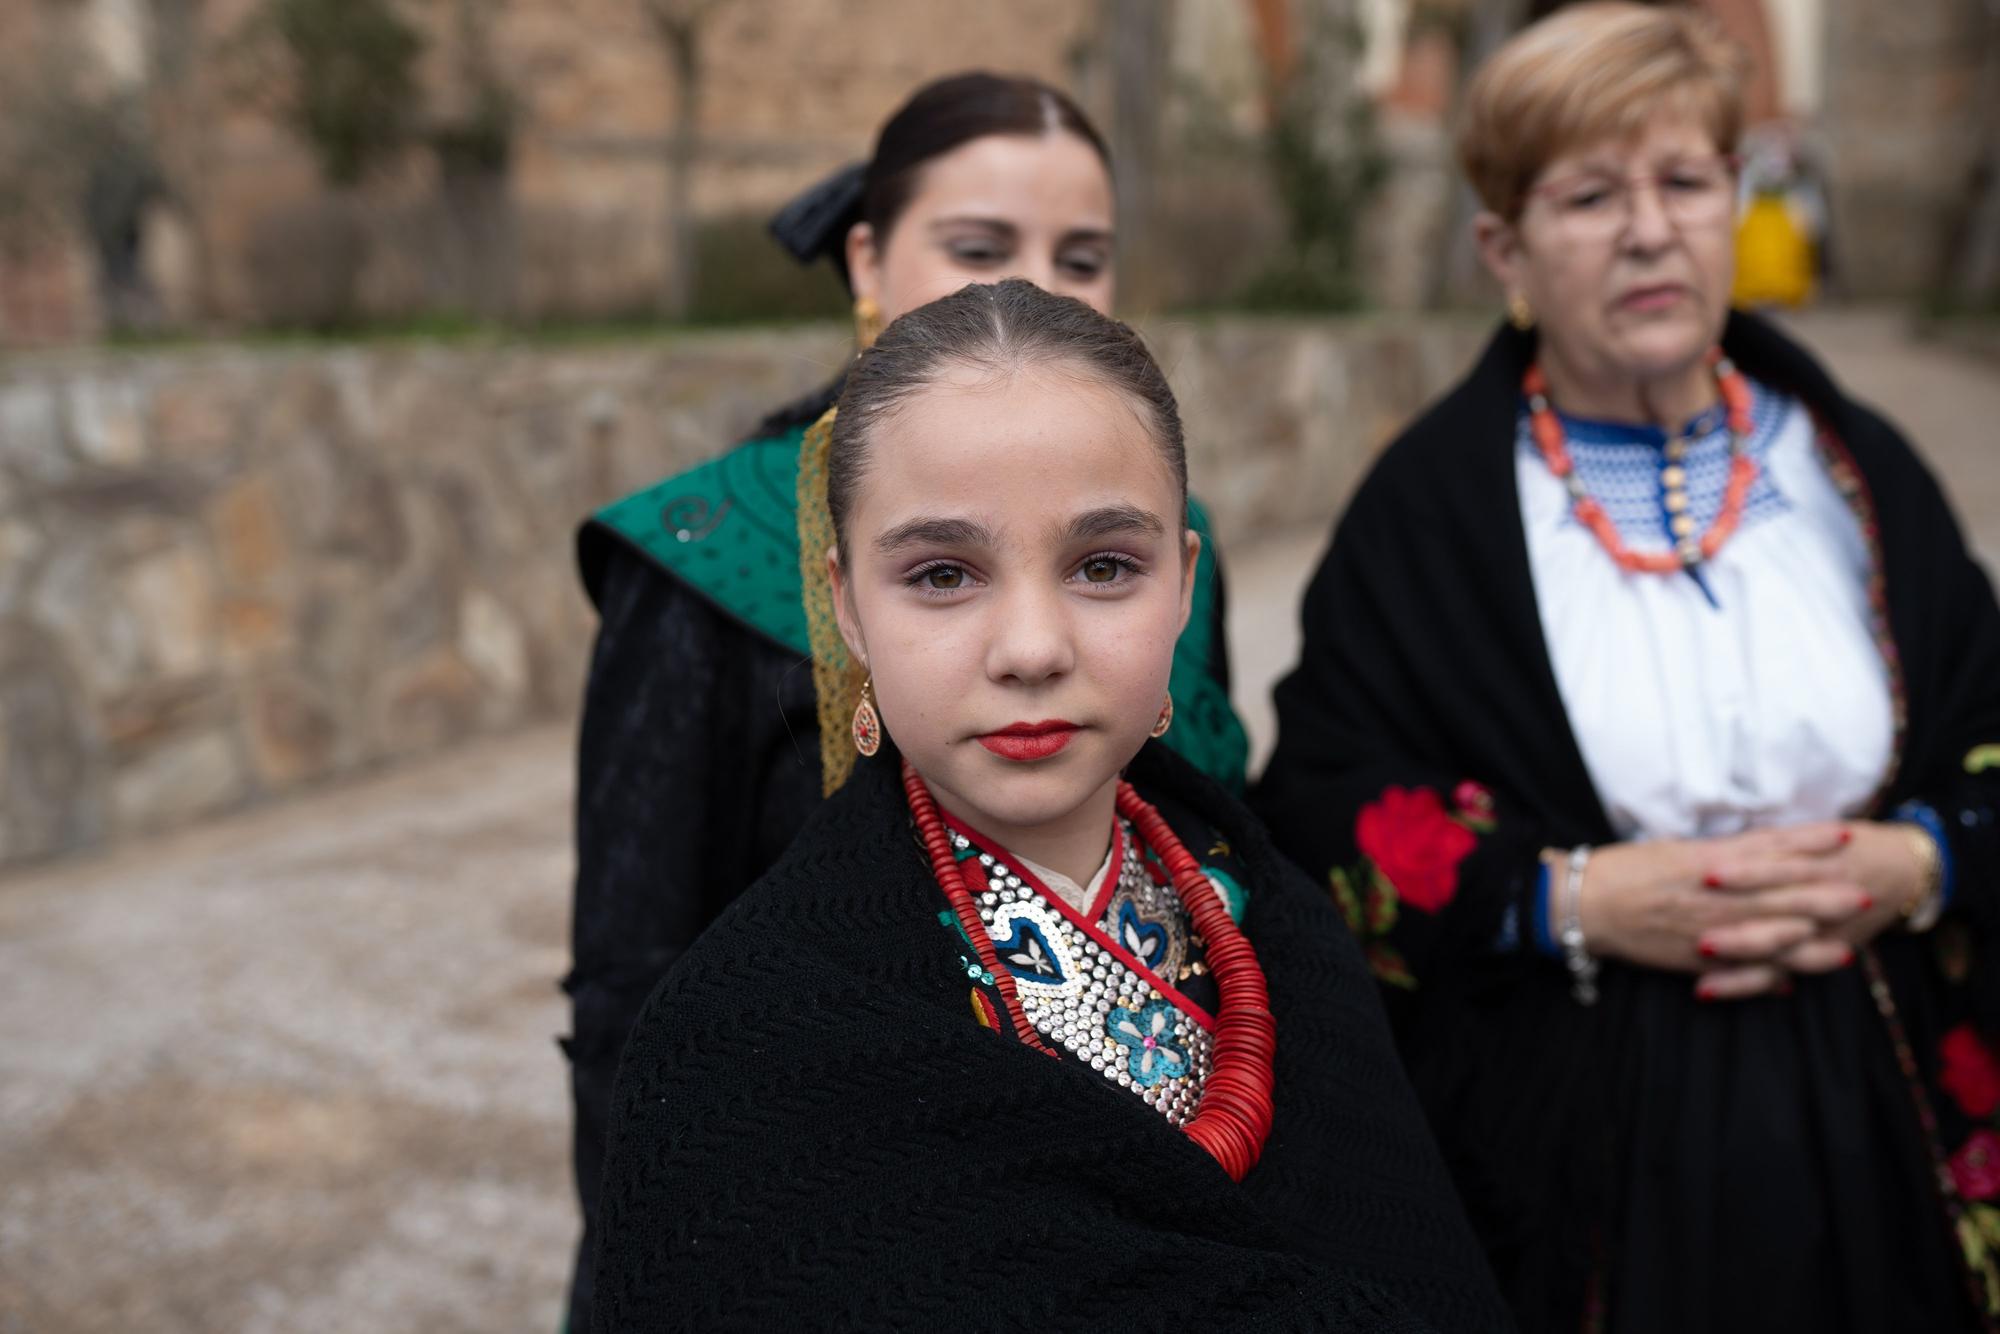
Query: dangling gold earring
point(867, 322)
point(867, 723)
point(1166, 718)
point(1519, 313)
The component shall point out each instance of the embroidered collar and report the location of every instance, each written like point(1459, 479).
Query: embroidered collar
point(1594, 431)
point(1620, 465)
point(1104, 985)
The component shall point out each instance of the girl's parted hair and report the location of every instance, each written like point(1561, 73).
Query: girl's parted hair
point(1003, 328)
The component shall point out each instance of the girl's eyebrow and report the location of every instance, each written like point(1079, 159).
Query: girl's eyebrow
point(1110, 520)
point(934, 532)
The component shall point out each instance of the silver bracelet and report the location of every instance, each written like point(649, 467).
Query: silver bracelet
point(1582, 966)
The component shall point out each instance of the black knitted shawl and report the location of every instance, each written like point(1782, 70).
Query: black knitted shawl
point(810, 1128)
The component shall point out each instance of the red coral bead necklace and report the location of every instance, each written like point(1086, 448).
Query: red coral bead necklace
point(1689, 551)
point(1237, 1100)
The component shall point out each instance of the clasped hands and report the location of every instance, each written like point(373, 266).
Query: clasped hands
point(1746, 912)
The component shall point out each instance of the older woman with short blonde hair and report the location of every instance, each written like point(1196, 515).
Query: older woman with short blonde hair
point(1647, 729)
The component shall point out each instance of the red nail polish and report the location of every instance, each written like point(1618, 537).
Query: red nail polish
point(1707, 950)
point(1867, 902)
point(1703, 994)
point(1712, 880)
point(1846, 837)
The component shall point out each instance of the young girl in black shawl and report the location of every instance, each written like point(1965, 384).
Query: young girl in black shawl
point(1004, 1040)
point(706, 737)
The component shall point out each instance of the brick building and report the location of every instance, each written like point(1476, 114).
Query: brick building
point(232, 225)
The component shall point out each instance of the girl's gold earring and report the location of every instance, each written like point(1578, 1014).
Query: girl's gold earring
point(1519, 313)
point(1166, 718)
point(867, 724)
point(867, 322)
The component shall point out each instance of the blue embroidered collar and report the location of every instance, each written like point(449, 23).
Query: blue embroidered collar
point(1592, 431)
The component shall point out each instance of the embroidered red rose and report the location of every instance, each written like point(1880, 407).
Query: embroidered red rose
point(1415, 844)
point(1970, 1074)
point(1976, 1166)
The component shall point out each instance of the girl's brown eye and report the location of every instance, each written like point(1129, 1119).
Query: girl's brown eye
point(945, 577)
point(1100, 571)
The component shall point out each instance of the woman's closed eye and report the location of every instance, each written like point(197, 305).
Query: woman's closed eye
point(1694, 181)
point(978, 252)
point(1082, 265)
point(1589, 197)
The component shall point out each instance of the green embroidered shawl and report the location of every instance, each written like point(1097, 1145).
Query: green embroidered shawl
point(729, 529)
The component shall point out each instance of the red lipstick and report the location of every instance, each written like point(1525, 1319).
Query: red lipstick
point(1026, 742)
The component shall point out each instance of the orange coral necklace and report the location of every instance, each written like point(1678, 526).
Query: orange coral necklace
point(1689, 551)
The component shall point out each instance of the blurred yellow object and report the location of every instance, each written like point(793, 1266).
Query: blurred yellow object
point(1774, 255)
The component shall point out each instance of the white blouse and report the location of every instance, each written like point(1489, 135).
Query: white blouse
point(1079, 897)
point(1752, 697)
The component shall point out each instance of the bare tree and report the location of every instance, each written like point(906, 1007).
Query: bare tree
point(1970, 273)
point(1136, 37)
point(1324, 156)
point(342, 76)
point(1481, 26)
point(473, 142)
point(78, 159)
point(183, 117)
point(678, 24)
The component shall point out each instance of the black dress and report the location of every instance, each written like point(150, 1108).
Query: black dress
point(812, 1128)
point(698, 757)
point(1811, 1162)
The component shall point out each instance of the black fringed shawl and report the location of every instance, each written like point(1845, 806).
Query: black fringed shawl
point(810, 1128)
point(1424, 665)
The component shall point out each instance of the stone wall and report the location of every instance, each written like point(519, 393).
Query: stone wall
point(227, 574)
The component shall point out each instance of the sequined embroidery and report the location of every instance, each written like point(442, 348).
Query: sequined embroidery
point(1027, 951)
point(1083, 997)
point(1148, 941)
point(1146, 1035)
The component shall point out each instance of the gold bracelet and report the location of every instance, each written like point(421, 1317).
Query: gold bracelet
point(1927, 904)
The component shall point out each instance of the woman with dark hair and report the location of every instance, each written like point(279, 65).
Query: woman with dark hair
point(705, 741)
point(1004, 1040)
point(1647, 728)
